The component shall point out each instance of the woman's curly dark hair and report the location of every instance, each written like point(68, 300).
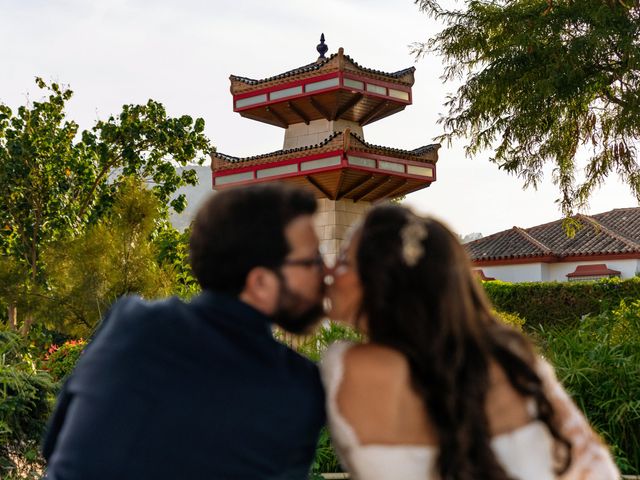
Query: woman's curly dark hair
point(435, 312)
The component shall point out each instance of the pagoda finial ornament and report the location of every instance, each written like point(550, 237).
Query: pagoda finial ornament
point(322, 48)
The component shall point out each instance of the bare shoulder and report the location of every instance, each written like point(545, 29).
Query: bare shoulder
point(377, 400)
point(374, 362)
point(375, 373)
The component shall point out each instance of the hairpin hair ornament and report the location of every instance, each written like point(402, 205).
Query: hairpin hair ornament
point(413, 234)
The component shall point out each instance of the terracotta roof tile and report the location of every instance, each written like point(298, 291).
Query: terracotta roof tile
point(507, 244)
point(416, 153)
point(599, 269)
point(398, 74)
point(277, 153)
point(425, 149)
point(296, 71)
point(316, 66)
point(613, 232)
point(625, 221)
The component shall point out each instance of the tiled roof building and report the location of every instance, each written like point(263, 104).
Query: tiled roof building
point(604, 239)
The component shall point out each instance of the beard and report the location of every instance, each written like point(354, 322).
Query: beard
point(294, 313)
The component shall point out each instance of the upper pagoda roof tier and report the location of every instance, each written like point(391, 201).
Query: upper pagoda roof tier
point(333, 88)
point(404, 76)
point(341, 166)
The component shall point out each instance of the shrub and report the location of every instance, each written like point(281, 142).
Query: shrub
point(26, 399)
point(552, 303)
point(314, 346)
point(598, 361)
point(512, 319)
point(326, 460)
point(61, 360)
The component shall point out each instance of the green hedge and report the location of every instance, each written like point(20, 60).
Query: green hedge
point(553, 303)
point(598, 362)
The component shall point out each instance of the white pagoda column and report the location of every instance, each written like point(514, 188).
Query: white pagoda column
point(334, 217)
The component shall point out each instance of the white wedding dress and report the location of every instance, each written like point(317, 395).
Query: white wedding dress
point(525, 453)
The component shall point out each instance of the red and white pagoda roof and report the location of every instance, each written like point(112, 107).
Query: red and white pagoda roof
point(342, 166)
point(332, 88)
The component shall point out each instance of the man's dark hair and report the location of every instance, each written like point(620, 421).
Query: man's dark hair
point(242, 228)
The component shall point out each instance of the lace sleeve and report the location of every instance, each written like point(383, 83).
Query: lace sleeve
point(590, 457)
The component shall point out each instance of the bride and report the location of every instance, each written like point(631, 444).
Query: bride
point(441, 390)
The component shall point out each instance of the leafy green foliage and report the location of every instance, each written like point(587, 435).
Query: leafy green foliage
point(512, 319)
point(552, 303)
point(26, 396)
point(15, 287)
point(113, 257)
point(314, 346)
point(326, 460)
point(598, 361)
point(543, 81)
point(173, 254)
point(143, 143)
point(37, 155)
point(61, 360)
point(55, 181)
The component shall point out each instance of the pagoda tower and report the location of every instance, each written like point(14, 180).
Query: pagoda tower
point(323, 107)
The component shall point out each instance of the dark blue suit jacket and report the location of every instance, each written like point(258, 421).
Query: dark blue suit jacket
point(175, 390)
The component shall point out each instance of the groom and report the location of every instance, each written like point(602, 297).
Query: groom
point(202, 390)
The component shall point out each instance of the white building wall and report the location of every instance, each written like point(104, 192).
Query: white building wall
point(527, 272)
point(544, 272)
point(303, 135)
point(555, 272)
point(627, 268)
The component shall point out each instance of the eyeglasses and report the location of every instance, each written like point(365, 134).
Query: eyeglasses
point(316, 262)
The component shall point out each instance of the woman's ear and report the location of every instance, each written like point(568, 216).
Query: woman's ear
point(261, 290)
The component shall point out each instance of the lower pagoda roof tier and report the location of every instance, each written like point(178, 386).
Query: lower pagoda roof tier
point(333, 88)
point(342, 166)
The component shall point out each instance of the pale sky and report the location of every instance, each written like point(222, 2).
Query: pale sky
point(181, 53)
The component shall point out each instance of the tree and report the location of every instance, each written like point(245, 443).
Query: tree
point(545, 82)
point(173, 255)
point(111, 258)
point(55, 181)
point(469, 237)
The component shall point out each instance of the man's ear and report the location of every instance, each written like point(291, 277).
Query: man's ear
point(261, 290)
